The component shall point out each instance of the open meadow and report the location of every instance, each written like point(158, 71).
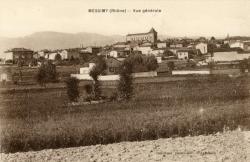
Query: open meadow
point(42, 119)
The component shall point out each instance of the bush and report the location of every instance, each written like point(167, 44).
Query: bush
point(88, 88)
point(113, 97)
point(244, 65)
point(47, 73)
point(171, 66)
point(72, 89)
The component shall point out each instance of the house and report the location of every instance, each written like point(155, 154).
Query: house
point(159, 59)
point(177, 45)
point(247, 46)
point(5, 74)
point(112, 64)
point(202, 47)
point(229, 56)
point(21, 53)
point(186, 53)
point(146, 50)
point(146, 44)
point(121, 45)
point(74, 53)
point(119, 53)
point(150, 36)
point(64, 54)
point(86, 70)
point(161, 44)
point(43, 53)
point(236, 44)
point(183, 54)
point(92, 50)
point(174, 50)
point(51, 55)
point(158, 51)
point(6, 56)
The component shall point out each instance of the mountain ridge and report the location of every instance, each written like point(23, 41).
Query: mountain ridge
point(58, 40)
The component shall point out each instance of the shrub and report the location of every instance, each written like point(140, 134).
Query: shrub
point(47, 73)
point(125, 85)
point(88, 88)
point(72, 89)
point(244, 64)
point(171, 66)
point(113, 97)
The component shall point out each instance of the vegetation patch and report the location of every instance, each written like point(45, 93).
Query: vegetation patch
point(158, 110)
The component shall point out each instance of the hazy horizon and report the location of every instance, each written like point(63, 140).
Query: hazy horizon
point(178, 18)
point(159, 34)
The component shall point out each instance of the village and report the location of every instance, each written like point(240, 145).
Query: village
point(128, 81)
point(176, 56)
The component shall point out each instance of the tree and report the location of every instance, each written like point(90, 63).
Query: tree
point(171, 66)
point(72, 85)
point(225, 46)
point(142, 63)
point(58, 57)
point(211, 66)
point(101, 65)
point(94, 73)
point(98, 69)
point(20, 64)
point(88, 88)
point(125, 85)
point(212, 39)
point(46, 73)
point(211, 47)
point(151, 63)
point(191, 64)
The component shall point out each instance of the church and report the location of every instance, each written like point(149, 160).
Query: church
point(150, 36)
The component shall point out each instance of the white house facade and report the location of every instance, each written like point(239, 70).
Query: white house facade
point(202, 47)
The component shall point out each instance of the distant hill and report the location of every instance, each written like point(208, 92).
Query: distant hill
point(57, 40)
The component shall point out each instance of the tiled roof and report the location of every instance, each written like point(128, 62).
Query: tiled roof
point(19, 50)
point(152, 30)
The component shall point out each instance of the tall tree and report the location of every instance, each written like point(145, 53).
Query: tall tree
point(72, 85)
point(125, 85)
point(96, 71)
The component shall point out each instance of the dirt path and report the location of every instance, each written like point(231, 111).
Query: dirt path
point(230, 146)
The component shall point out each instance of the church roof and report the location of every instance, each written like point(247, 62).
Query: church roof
point(152, 30)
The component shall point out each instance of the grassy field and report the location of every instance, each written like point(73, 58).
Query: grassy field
point(41, 119)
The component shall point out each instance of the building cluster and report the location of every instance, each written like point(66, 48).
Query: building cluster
point(201, 50)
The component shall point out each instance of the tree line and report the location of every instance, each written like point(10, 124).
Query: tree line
point(134, 63)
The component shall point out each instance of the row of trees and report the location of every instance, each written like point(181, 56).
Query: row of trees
point(142, 63)
point(135, 63)
point(132, 64)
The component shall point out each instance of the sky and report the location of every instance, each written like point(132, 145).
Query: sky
point(177, 17)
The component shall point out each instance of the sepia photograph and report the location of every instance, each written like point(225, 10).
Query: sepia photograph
point(125, 81)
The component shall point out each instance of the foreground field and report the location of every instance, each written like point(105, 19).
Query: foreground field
point(42, 119)
point(227, 146)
